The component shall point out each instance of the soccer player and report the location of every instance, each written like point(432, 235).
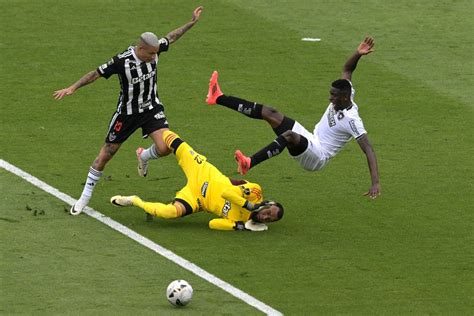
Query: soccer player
point(339, 124)
point(138, 105)
point(238, 204)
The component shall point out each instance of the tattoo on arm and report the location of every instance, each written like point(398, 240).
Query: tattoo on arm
point(86, 79)
point(173, 36)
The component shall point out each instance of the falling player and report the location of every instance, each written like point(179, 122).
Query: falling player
point(339, 124)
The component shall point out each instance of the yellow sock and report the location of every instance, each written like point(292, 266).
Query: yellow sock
point(157, 209)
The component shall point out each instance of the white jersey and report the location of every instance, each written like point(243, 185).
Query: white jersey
point(337, 128)
point(331, 133)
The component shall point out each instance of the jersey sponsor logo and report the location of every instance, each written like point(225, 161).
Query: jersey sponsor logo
point(143, 78)
point(340, 116)
point(353, 127)
point(204, 188)
point(160, 115)
point(145, 104)
point(331, 120)
point(226, 208)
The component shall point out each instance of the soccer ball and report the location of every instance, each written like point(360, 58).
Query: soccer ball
point(179, 293)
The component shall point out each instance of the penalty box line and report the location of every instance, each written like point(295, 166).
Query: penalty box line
point(168, 254)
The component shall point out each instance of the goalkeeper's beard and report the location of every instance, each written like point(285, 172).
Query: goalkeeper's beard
point(253, 216)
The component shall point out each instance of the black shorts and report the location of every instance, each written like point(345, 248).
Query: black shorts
point(122, 125)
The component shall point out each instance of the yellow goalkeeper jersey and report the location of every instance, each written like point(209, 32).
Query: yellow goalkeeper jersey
point(209, 190)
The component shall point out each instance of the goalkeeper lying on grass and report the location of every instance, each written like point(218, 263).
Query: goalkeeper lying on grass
point(238, 203)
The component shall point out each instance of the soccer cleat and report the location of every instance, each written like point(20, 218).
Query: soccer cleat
point(214, 89)
point(77, 208)
point(243, 162)
point(120, 200)
point(142, 165)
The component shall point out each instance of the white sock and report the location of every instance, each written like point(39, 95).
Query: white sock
point(92, 178)
point(149, 153)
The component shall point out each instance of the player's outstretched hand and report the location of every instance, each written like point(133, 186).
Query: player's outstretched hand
point(197, 13)
point(59, 94)
point(374, 192)
point(367, 46)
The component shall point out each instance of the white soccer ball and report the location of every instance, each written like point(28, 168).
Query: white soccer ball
point(179, 293)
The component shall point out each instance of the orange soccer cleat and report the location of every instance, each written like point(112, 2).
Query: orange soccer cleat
point(214, 89)
point(243, 162)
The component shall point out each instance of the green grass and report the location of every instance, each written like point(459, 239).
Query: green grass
point(408, 252)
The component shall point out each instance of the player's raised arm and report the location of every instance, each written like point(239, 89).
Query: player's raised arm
point(364, 48)
point(366, 147)
point(86, 79)
point(173, 36)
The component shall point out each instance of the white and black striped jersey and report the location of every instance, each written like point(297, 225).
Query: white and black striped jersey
point(138, 80)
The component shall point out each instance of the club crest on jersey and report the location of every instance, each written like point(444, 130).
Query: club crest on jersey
point(112, 136)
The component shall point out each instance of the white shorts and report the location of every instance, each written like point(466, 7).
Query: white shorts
point(313, 158)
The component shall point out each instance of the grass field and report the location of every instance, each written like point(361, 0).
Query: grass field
point(335, 252)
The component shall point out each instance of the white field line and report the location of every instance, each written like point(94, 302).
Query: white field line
point(168, 254)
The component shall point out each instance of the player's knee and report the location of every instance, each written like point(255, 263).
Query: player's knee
point(292, 137)
point(272, 115)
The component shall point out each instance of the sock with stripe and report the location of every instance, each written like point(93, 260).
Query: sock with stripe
point(269, 151)
point(250, 109)
point(92, 178)
point(149, 153)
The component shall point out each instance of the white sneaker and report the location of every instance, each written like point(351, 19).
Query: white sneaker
point(120, 200)
point(142, 165)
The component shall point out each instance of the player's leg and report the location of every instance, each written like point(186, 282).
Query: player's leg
point(295, 142)
point(120, 128)
point(153, 124)
point(171, 210)
point(248, 108)
point(184, 203)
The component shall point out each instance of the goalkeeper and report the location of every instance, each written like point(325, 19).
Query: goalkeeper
point(238, 203)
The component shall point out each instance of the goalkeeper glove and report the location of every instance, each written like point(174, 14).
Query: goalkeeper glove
point(255, 227)
point(259, 206)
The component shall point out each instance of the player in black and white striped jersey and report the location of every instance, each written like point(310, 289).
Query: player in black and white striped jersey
point(138, 104)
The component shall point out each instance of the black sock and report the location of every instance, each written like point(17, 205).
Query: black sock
point(250, 109)
point(272, 149)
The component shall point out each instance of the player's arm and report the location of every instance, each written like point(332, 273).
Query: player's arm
point(364, 48)
point(85, 80)
point(174, 35)
point(232, 196)
point(226, 224)
point(235, 198)
point(366, 147)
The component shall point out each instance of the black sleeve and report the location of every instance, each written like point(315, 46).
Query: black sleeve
point(164, 45)
point(109, 68)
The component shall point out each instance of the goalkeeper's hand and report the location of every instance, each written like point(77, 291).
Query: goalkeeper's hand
point(255, 227)
point(250, 225)
point(259, 206)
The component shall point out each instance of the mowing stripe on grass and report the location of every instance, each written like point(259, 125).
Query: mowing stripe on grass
point(168, 254)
